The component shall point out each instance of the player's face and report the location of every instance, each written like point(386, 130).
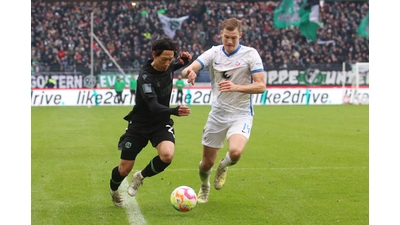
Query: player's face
point(230, 39)
point(162, 62)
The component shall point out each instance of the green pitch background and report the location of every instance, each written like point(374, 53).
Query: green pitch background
point(303, 165)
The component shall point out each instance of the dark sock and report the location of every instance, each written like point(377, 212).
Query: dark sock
point(116, 179)
point(154, 167)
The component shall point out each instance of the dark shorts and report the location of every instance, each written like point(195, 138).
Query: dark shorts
point(132, 141)
point(133, 92)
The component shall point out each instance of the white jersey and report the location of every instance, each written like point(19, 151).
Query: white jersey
point(236, 67)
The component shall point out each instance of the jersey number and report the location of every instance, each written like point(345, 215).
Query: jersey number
point(171, 130)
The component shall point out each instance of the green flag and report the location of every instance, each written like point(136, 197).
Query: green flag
point(363, 28)
point(302, 14)
point(309, 20)
point(287, 14)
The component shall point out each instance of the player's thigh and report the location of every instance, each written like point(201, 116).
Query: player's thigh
point(163, 139)
point(239, 133)
point(164, 133)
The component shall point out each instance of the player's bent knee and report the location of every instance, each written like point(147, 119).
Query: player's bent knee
point(124, 172)
point(167, 158)
point(125, 167)
point(235, 154)
point(206, 164)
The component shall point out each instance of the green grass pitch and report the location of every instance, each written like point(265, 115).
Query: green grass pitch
point(303, 165)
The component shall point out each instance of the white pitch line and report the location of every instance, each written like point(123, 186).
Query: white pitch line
point(135, 216)
point(132, 210)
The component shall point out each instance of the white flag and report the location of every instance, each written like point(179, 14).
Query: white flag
point(170, 25)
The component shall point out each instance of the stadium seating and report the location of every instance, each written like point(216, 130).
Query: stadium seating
point(60, 31)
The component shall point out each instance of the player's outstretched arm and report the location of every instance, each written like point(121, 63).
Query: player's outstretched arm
point(190, 72)
point(181, 110)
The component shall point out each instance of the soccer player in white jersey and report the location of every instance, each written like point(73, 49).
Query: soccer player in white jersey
point(236, 72)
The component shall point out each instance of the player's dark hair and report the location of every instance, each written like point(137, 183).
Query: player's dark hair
point(164, 43)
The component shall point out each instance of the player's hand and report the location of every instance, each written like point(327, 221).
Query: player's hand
point(184, 58)
point(227, 86)
point(191, 76)
point(183, 110)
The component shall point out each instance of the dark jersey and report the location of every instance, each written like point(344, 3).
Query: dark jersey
point(152, 98)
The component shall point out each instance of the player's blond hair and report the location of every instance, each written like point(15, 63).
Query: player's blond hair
point(232, 24)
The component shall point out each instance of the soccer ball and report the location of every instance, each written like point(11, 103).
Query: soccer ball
point(183, 199)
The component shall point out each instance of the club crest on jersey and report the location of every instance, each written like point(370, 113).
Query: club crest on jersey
point(237, 63)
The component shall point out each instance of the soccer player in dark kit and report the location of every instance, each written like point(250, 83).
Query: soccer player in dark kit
point(150, 118)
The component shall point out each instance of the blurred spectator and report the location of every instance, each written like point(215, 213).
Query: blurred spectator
point(119, 86)
point(60, 33)
point(50, 83)
point(179, 84)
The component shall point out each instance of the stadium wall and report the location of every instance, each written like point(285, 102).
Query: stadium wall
point(315, 77)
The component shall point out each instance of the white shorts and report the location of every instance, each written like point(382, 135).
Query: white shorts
point(215, 132)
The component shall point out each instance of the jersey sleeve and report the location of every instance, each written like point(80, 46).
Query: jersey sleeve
point(206, 59)
point(145, 86)
point(256, 64)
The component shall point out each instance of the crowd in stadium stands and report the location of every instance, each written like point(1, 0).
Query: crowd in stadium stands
point(60, 33)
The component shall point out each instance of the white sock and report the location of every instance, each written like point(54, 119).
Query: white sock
point(205, 176)
point(226, 161)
